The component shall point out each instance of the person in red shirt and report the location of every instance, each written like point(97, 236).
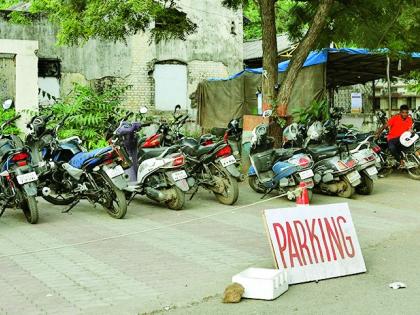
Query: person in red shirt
point(397, 125)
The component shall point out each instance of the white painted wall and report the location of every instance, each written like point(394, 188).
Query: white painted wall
point(26, 75)
point(170, 86)
point(51, 85)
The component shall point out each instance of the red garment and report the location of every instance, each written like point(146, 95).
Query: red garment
point(397, 126)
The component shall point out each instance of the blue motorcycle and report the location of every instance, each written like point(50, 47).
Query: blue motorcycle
point(277, 169)
point(69, 174)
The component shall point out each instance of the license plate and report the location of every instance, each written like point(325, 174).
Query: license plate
point(114, 172)
point(372, 171)
point(27, 178)
point(306, 174)
point(228, 161)
point(353, 176)
point(179, 175)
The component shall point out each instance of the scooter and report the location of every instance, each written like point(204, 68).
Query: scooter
point(335, 170)
point(277, 169)
point(157, 173)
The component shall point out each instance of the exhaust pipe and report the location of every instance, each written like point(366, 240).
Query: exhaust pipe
point(157, 194)
point(46, 191)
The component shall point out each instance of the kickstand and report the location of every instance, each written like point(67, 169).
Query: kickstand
point(3, 208)
point(267, 192)
point(131, 198)
point(71, 206)
point(193, 194)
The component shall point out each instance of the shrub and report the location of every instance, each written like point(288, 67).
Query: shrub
point(90, 112)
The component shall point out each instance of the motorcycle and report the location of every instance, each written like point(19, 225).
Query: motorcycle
point(69, 174)
point(335, 171)
point(277, 169)
point(410, 153)
point(213, 166)
point(360, 150)
point(167, 134)
point(18, 181)
point(157, 173)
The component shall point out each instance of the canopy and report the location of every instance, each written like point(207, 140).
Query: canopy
point(348, 66)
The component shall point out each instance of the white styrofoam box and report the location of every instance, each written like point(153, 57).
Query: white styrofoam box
point(261, 283)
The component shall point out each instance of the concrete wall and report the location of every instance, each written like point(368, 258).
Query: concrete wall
point(26, 75)
point(213, 51)
point(7, 77)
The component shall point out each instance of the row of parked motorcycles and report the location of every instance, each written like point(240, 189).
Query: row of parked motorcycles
point(168, 166)
point(63, 172)
point(328, 158)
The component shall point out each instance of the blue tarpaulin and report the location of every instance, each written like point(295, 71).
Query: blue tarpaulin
point(314, 58)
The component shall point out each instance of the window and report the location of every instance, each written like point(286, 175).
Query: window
point(49, 68)
point(49, 73)
point(170, 86)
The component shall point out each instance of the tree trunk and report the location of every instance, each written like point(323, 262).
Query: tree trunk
point(269, 46)
point(301, 53)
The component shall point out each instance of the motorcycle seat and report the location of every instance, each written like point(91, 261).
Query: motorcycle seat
point(151, 153)
point(321, 152)
point(79, 159)
point(204, 149)
point(282, 154)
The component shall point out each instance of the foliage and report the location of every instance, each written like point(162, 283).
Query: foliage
point(318, 110)
point(80, 20)
point(5, 115)
point(364, 23)
point(414, 82)
point(89, 113)
point(253, 30)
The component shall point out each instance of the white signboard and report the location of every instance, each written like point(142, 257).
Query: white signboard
point(356, 102)
point(314, 242)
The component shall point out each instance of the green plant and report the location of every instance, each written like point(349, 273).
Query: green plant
point(89, 113)
point(6, 115)
point(318, 110)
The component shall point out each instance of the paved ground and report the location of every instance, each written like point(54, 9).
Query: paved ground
point(161, 261)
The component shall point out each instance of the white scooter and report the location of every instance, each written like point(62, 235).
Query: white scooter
point(158, 173)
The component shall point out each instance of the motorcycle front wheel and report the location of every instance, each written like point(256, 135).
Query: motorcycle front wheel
point(255, 184)
point(414, 173)
point(113, 199)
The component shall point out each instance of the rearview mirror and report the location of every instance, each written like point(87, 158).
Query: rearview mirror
point(143, 110)
point(177, 108)
point(267, 113)
point(7, 104)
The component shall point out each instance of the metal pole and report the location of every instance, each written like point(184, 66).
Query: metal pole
point(388, 76)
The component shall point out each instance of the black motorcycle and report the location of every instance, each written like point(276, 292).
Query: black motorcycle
point(18, 180)
point(69, 174)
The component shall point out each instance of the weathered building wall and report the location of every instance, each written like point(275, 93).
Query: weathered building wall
point(7, 77)
point(215, 50)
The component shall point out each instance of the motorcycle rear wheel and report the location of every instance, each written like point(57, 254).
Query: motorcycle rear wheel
point(255, 184)
point(231, 192)
point(348, 192)
point(30, 209)
point(366, 187)
point(176, 203)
